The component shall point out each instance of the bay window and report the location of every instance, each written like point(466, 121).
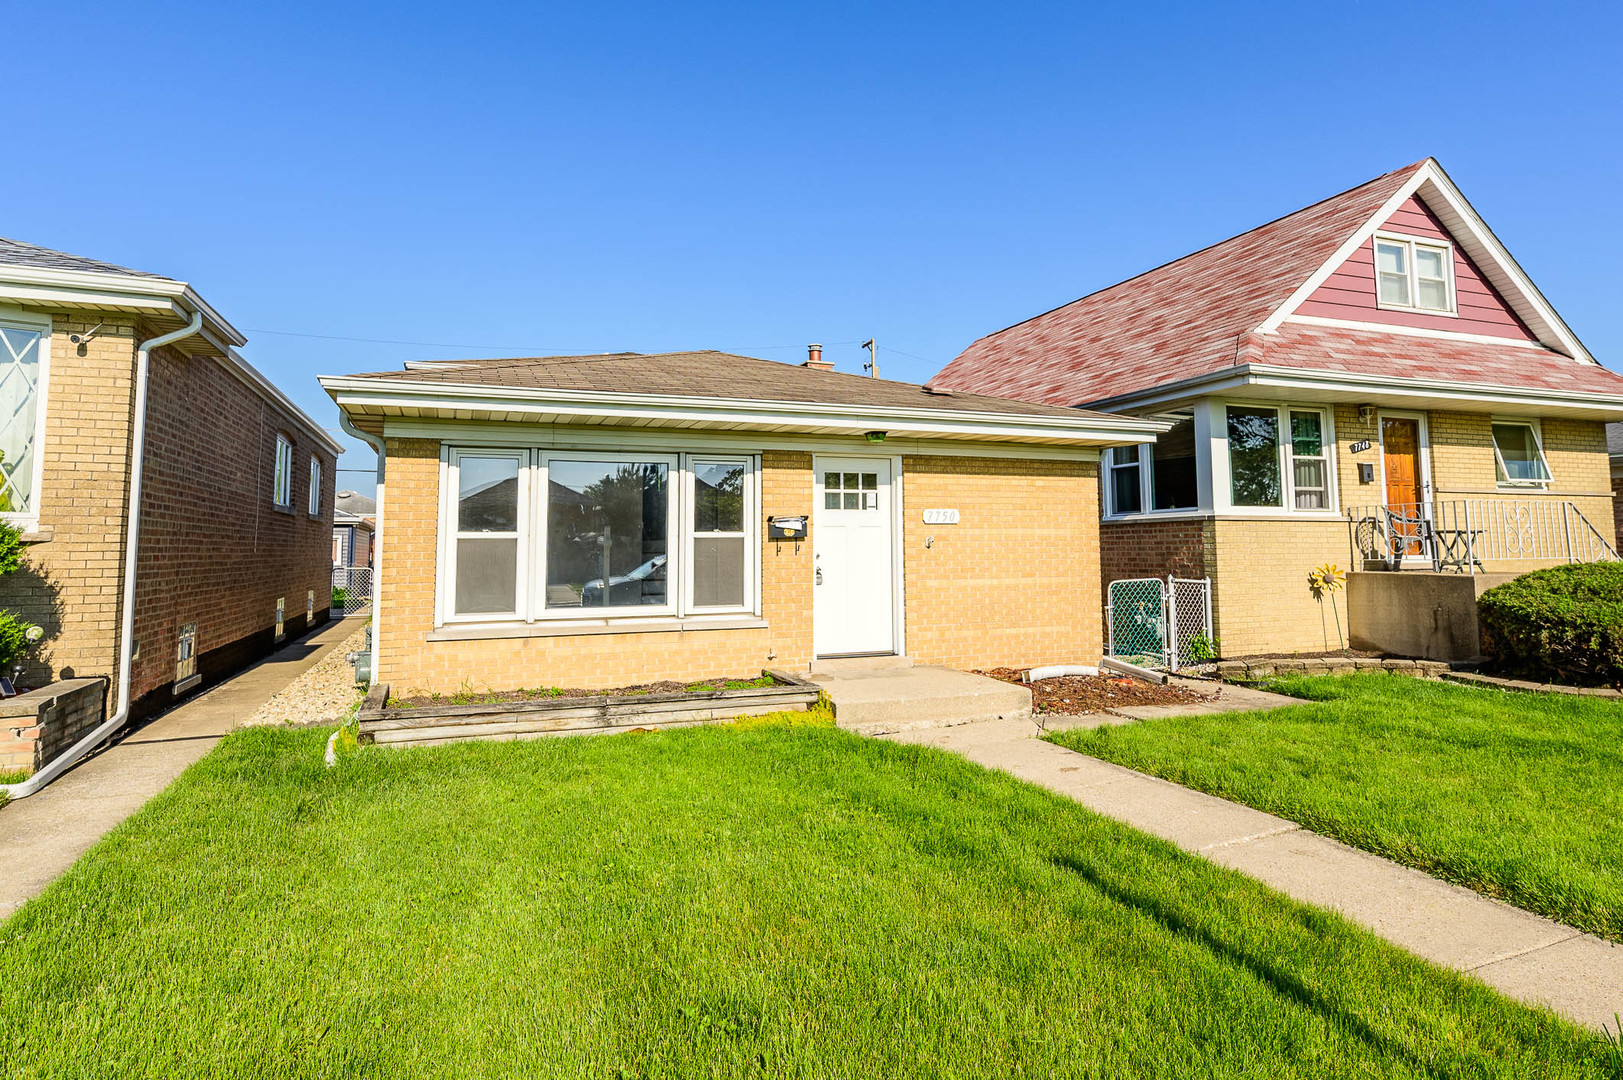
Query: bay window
point(1154, 476)
point(1125, 485)
point(557, 535)
point(1254, 456)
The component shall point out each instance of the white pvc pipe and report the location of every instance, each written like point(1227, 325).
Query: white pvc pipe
point(126, 652)
point(378, 446)
point(1056, 671)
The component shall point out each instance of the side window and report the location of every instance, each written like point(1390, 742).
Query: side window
point(282, 483)
point(315, 486)
point(1518, 455)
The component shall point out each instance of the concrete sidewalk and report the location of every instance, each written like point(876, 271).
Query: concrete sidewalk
point(42, 835)
point(1520, 954)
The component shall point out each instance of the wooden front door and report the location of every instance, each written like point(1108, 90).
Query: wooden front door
point(1400, 449)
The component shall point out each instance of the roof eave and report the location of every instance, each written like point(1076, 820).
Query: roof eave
point(1350, 386)
point(459, 401)
point(96, 288)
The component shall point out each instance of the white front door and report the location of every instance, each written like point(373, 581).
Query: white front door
point(853, 606)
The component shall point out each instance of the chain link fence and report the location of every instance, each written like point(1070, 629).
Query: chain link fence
point(1160, 622)
point(351, 589)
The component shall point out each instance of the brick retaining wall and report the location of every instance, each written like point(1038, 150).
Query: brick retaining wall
point(38, 726)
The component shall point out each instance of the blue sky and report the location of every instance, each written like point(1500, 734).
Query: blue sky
point(493, 179)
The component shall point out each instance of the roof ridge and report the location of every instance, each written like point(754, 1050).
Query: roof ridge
point(1202, 250)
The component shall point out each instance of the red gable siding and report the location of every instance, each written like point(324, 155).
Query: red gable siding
point(1349, 293)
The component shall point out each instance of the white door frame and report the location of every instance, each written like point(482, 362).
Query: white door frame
point(898, 604)
point(1422, 451)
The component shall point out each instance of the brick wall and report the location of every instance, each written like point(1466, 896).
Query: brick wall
point(1016, 582)
point(37, 726)
point(70, 583)
point(210, 547)
point(214, 548)
point(1144, 549)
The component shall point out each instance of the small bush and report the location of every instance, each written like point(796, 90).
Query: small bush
point(1563, 624)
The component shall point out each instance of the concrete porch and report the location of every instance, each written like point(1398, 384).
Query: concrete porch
point(1417, 613)
point(883, 700)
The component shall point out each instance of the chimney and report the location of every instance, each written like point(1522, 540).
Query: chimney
point(814, 359)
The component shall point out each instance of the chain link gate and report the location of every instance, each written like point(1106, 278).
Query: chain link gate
point(1158, 621)
point(352, 589)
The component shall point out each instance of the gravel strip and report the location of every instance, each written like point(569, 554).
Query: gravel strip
point(321, 695)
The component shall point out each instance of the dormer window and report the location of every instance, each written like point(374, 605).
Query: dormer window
point(1414, 274)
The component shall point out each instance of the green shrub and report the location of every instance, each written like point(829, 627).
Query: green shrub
point(1564, 624)
point(340, 597)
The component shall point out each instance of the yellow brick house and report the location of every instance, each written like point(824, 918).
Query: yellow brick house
point(601, 521)
point(1371, 381)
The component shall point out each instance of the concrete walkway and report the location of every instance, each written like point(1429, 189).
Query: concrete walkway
point(1522, 955)
point(42, 835)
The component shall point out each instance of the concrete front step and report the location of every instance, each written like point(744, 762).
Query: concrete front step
point(887, 700)
point(836, 665)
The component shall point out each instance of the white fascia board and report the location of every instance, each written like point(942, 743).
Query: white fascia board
point(1472, 233)
point(1345, 384)
point(42, 285)
point(268, 390)
point(382, 394)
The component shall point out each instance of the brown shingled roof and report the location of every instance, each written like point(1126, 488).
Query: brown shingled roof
point(708, 374)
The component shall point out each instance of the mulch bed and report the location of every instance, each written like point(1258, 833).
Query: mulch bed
point(1080, 694)
point(551, 693)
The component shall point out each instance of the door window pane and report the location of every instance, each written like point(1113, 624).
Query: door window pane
point(606, 534)
point(1254, 456)
point(487, 494)
point(19, 396)
point(1172, 468)
point(486, 575)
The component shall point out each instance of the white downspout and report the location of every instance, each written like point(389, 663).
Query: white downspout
point(377, 445)
point(126, 651)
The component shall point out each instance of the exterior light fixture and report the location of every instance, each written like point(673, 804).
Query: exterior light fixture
point(875, 436)
point(1366, 413)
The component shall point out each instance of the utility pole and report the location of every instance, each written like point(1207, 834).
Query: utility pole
point(872, 366)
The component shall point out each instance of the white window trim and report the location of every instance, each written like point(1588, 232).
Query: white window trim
point(314, 500)
point(1222, 482)
point(1532, 423)
point(539, 612)
point(450, 485)
point(688, 534)
point(1108, 467)
point(1409, 244)
point(28, 520)
point(282, 473)
point(530, 605)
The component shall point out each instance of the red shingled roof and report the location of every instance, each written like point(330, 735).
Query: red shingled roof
point(1197, 316)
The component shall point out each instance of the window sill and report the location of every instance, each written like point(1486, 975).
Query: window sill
point(1231, 514)
point(1410, 309)
point(190, 682)
point(37, 534)
point(280, 509)
point(578, 628)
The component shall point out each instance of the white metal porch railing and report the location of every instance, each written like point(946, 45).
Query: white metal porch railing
point(1465, 535)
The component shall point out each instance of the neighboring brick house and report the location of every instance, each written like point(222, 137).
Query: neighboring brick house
point(597, 521)
point(235, 490)
point(1369, 381)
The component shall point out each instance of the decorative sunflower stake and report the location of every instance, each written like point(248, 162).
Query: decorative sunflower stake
point(1323, 581)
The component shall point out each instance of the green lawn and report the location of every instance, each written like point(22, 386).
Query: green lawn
point(722, 901)
point(1519, 796)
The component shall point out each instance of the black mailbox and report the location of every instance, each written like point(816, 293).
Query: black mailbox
point(785, 527)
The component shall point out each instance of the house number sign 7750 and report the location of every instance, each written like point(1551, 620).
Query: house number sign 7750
point(941, 516)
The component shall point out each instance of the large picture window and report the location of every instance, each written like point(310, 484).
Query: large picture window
point(1254, 456)
point(610, 535)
